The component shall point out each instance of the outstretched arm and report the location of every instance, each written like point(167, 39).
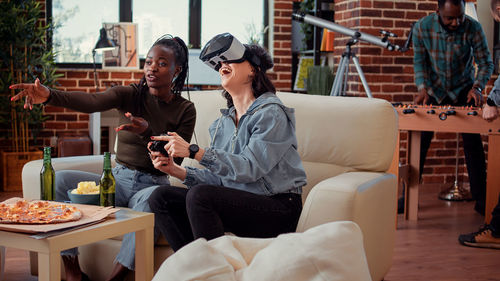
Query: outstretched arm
point(35, 93)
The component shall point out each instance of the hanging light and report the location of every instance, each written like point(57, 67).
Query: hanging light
point(103, 44)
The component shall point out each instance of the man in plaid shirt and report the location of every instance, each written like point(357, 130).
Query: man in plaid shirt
point(445, 44)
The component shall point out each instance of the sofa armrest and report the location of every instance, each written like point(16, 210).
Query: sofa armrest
point(367, 198)
point(31, 170)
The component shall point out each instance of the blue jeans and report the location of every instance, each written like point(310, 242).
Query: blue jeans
point(133, 189)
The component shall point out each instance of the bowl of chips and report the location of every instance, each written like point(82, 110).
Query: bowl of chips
point(87, 192)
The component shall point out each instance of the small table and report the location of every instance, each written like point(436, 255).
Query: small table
point(124, 221)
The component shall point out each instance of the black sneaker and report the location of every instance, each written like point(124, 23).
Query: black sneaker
point(484, 238)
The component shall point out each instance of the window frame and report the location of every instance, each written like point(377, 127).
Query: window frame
point(126, 15)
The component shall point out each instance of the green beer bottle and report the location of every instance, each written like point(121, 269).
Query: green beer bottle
point(107, 183)
point(47, 177)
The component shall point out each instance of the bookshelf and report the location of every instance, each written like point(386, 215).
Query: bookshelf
point(300, 48)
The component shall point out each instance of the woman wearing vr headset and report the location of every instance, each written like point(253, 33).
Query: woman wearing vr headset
point(152, 107)
point(253, 177)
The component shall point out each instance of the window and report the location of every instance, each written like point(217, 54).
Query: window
point(241, 18)
point(195, 21)
point(155, 18)
point(76, 31)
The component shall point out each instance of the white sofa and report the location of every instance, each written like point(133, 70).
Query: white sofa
point(346, 144)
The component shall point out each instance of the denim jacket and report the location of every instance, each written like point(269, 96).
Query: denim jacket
point(259, 155)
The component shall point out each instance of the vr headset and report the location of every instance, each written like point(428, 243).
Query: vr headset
point(226, 48)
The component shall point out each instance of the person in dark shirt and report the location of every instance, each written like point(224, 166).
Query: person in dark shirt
point(152, 107)
point(445, 45)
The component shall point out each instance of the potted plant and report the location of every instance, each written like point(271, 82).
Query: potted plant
point(24, 56)
point(306, 6)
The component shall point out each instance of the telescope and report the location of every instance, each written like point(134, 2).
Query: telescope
point(382, 42)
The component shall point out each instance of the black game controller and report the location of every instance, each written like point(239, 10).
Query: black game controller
point(159, 146)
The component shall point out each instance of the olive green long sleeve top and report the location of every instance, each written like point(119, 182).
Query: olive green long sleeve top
point(178, 115)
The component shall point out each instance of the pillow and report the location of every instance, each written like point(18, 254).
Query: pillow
point(195, 261)
point(332, 251)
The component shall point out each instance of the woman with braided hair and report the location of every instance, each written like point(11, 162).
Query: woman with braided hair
point(150, 108)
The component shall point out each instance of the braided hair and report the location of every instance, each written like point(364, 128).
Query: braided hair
point(260, 81)
point(180, 50)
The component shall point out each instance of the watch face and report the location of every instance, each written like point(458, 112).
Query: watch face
point(194, 148)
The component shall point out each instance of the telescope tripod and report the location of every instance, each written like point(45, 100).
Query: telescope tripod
point(339, 86)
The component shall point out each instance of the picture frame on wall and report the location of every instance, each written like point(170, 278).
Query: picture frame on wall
point(125, 55)
point(301, 77)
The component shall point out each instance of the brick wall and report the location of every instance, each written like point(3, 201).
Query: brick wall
point(282, 45)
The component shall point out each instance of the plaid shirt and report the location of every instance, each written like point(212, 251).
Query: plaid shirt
point(443, 60)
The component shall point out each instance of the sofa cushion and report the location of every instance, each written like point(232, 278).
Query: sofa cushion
point(364, 141)
point(332, 251)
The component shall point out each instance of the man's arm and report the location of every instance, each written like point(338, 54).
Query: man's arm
point(490, 110)
point(420, 66)
point(419, 62)
point(482, 58)
point(495, 93)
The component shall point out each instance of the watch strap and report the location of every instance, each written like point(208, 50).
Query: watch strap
point(193, 149)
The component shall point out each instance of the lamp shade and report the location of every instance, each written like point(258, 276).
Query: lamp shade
point(104, 43)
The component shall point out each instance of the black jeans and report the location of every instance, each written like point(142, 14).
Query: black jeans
point(207, 211)
point(473, 150)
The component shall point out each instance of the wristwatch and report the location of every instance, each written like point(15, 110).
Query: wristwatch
point(478, 89)
point(490, 102)
point(193, 149)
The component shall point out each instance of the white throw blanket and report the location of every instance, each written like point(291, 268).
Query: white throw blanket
point(332, 251)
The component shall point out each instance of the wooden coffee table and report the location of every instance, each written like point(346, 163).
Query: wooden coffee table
point(124, 221)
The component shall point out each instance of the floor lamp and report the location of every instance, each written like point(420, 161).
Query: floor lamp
point(102, 44)
point(455, 192)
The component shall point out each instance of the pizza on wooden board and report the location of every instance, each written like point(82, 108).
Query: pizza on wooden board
point(38, 212)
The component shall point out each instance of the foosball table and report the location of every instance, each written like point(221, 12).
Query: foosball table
point(415, 119)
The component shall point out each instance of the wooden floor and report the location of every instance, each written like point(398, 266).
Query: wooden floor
point(429, 250)
point(425, 250)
